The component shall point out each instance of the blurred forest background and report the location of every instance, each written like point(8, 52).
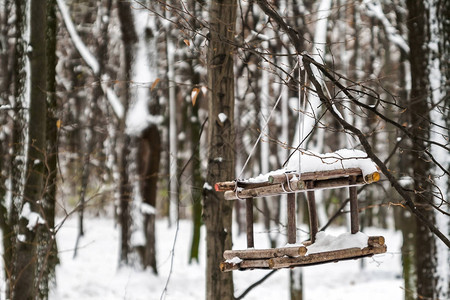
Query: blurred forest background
point(134, 109)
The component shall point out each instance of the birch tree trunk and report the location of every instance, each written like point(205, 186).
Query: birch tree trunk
point(221, 136)
point(129, 39)
point(17, 158)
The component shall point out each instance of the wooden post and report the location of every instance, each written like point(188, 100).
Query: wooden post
point(313, 222)
point(249, 220)
point(291, 226)
point(354, 218)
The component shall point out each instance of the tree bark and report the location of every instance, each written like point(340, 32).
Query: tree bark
point(47, 248)
point(425, 248)
point(197, 180)
point(17, 163)
point(149, 153)
point(129, 39)
point(221, 136)
point(26, 283)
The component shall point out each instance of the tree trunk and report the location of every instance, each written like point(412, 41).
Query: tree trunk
point(404, 221)
point(47, 249)
point(197, 180)
point(149, 154)
point(425, 248)
point(129, 39)
point(17, 163)
point(221, 136)
point(296, 283)
point(25, 286)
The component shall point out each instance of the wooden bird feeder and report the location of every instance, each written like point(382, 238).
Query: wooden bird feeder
point(290, 183)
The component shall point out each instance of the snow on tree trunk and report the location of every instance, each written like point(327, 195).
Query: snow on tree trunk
point(20, 99)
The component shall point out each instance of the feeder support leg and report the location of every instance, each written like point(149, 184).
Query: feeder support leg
point(292, 228)
point(313, 221)
point(249, 220)
point(354, 218)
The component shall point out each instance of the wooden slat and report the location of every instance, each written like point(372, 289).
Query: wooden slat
point(354, 212)
point(231, 185)
point(281, 178)
point(249, 220)
point(246, 264)
point(324, 257)
point(291, 224)
point(313, 220)
point(265, 253)
point(375, 246)
point(278, 189)
point(320, 175)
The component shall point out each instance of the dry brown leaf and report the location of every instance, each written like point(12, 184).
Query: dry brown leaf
point(194, 94)
point(155, 83)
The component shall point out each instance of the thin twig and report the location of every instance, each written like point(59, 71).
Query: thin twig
point(256, 284)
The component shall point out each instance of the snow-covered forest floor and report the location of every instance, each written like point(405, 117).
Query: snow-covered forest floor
point(94, 273)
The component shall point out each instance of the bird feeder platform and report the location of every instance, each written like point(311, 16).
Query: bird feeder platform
point(291, 183)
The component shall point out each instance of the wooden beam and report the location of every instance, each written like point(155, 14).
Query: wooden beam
point(249, 220)
point(281, 178)
point(375, 246)
point(291, 224)
point(324, 257)
point(313, 220)
point(245, 264)
point(320, 175)
point(354, 212)
point(265, 253)
point(298, 186)
point(231, 185)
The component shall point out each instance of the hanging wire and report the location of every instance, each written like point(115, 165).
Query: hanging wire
point(266, 124)
point(301, 113)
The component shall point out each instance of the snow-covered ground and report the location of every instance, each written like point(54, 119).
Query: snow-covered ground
point(94, 274)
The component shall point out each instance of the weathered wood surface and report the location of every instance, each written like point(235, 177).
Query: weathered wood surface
point(324, 257)
point(231, 185)
point(313, 218)
point(293, 187)
point(375, 246)
point(292, 224)
point(354, 212)
point(245, 265)
point(283, 178)
point(320, 175)
point(265, 253)
point(249, 221)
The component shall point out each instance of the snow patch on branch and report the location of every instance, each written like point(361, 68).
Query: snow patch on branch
point(33, 218)
point(87, 56)
point(375, 10)
point(90, 59)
